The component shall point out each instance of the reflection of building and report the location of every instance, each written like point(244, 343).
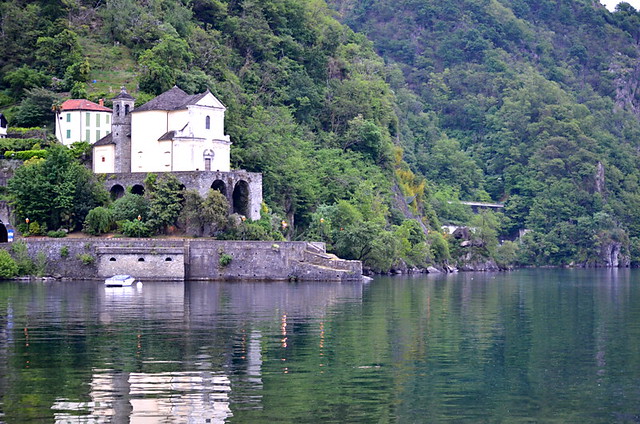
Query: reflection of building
point(191, 396)
point(82, 120)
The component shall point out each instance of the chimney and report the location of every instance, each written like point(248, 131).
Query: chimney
point(101, 102)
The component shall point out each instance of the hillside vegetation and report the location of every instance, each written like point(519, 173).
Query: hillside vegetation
point(474, 100)
point(532, 103)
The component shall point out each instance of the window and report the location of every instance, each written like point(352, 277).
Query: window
point(97, 120)
point(88, 120)
point(68, 117)
point(68, 133)
point(97, 135)
point(87, 136)
point(104, 159)
point(126, 109)
point(107, 119)
point(207, 123)
point(107, 132)
point(117, 110)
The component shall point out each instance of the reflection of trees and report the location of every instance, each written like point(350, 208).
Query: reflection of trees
point(530, 346)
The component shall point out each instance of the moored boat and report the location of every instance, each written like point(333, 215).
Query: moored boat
point(119, 281)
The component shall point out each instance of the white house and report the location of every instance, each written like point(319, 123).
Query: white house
point(82, 120)
point(175, 131)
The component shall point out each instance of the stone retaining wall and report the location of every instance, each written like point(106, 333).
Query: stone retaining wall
point(153, 259)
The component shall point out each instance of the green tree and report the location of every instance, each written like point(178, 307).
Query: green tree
point(165, 203)
point(56, 191)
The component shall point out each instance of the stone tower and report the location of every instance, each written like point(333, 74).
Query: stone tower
point(123, 104)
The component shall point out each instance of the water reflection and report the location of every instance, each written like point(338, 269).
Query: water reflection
point(528, 346)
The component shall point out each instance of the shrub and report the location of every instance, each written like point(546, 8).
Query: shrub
point(57, 234)
point(85, 258)
point(64, 251)
point(134, 228)
point(8, 266)
point(40, 265)
point(25, 154)
point(225, 259)
point(21, 255)
point(129, 207)
point(99, 221)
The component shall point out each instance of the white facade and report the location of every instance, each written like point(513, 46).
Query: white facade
point(81, 120)
point(187, 139)
point(104, 159)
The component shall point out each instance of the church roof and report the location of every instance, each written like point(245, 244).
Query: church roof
point(83, 104)
point(167, 136)
point(123, 94)
point(173, 99)
point(104, 141)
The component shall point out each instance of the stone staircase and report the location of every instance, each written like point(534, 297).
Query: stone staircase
point(317, 264)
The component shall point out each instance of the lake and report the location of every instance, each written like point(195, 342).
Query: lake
point(551, 346)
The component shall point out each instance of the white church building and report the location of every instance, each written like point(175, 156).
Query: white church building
point(176, 133)
point(173, 132)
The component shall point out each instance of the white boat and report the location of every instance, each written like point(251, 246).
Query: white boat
point(119, 281)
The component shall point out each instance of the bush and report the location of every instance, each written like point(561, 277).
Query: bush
point(99, 221)
point(25, 154)
point(225, 259)
point(129, 207)
point(40, 265)
point(57, 234)
point(64, 251)
point(8, 266)
point(134, 228)
point(21, 254)
point(85, 258)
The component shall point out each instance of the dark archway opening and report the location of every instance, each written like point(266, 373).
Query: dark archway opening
point(116, 192)
point(220, 186)
point(138, 189)
point(4, 236)
point(241, 198)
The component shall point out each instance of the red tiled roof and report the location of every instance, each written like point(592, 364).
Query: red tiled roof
point(83, 104)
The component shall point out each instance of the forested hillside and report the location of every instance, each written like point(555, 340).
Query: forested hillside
point(534, 103)
point(530, 103)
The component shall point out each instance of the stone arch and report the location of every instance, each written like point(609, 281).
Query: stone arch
point(220, 186)
point(116, 192)
point(4, 235)
point(137, 189)
point(241, 198)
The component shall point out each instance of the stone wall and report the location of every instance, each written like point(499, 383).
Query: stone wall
point(152, 259)
point(202, 181)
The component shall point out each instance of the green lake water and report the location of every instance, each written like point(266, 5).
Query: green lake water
point(547, 346)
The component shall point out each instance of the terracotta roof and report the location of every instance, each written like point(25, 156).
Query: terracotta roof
point(83, 104)
point(104, 141)
point(173, 99)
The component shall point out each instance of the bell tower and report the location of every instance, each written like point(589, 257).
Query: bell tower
point(123, 105)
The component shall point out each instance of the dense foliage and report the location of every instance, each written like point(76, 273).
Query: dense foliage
point(530, 103)
point(481, 100)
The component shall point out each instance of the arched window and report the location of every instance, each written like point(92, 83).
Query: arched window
point(117, 110)
point(126, 109)
point(207, 122)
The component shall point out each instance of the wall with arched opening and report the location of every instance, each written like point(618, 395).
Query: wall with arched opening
point(116, 192)
point(240, 198)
